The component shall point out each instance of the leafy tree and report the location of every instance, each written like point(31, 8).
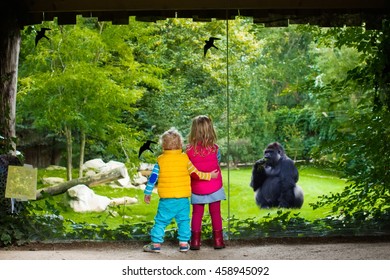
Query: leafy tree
point(84, 85)
point(285, 63)
point(363, 143)
point(321, 92)
point(193, 84)
point(294, 142)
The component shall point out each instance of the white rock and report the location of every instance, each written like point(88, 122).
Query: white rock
point(98, 165)
point(52, 181)
point(112, 164)
point(55, 167)
point(146, 166)
point(123, 201)
point(139, 179)
point(95, 164)
point(90, 173)
point(85, 200)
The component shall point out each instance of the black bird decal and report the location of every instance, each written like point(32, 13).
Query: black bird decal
point(40, 35)
point(145, 146)
point(209, 44)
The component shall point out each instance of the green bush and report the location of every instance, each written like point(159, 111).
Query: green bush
point(49, 219)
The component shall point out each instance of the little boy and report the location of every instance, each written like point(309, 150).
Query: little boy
point(173, 171)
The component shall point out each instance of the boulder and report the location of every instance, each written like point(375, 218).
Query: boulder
point(116, 164)
point(145, 169)
point(85, 200)
point(51, 181)
point(123, 201)
point(139, 179)
point(99, 166)
point(94, 164)
point(90, 173)
point(55, 167)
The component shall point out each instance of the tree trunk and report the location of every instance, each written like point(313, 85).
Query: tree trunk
point(82, 149)
point(90, 181)
point(9, 58)
point(69, 153)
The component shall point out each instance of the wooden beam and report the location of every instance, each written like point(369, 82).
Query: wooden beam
point(90, 181)
point(9, 58)
point(150, 5)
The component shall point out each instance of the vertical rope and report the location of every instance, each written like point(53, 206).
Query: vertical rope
point(228, 117)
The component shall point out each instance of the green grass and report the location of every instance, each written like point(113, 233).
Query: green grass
point(241, 205)
point(314, 182)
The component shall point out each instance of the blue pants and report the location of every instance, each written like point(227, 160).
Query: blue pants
point(168, 209)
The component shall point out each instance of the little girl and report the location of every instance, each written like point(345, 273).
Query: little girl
point(205, 156)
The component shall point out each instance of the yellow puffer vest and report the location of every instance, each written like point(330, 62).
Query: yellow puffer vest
point(174, 181)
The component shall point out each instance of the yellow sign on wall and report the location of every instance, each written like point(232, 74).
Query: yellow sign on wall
point(21, 182)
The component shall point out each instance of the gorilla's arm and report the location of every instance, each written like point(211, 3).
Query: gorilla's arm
point(289, 176)
point(294, 171)
point(258, 175)
point(287, 197)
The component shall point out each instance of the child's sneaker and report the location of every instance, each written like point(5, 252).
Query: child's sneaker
point(184, 246)
point(152, 248)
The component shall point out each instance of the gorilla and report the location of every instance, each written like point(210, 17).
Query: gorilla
point(274, 180)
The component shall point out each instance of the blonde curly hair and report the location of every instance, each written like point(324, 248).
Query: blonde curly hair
point(171, 140)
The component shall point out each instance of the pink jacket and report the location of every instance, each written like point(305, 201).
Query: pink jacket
point(205, 160)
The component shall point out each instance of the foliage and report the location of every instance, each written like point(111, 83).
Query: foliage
point(88, 87)
point(363, 144)
point(240, 151)
point(285, 224)
point(322, 93)
point(299, 130)
point(193, 85)
point(133, 222)
point(28, 226)
point(374, 46)
point(365, 152)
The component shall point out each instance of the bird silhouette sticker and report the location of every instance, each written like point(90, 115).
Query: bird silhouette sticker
point(41, 34)
point(146, 146)
point(209, 44)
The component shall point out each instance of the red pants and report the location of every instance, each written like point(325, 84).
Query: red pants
point(215, 213)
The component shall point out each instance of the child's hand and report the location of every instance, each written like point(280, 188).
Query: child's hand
point(214, 173)
point(147, 198)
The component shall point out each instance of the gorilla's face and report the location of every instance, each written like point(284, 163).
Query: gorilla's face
point(271, 156)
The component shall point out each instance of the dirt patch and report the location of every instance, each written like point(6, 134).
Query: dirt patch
point(329, 248)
